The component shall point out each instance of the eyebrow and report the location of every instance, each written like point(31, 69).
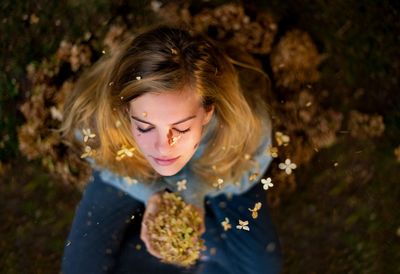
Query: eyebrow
point(176, 123)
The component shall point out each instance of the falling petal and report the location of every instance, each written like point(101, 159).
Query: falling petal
point(226, 225)
point(181, 184)
point(87, 134)
point(219, 183)
point(267, 183)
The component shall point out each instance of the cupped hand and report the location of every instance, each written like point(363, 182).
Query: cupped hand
point(150, 211)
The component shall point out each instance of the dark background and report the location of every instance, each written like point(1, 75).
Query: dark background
point(327, 225)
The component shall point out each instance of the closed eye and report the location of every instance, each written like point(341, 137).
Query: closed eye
point(182, 131)
point(143, 130)
point(149, 129)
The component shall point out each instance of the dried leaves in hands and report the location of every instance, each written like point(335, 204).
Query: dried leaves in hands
point(174, 231)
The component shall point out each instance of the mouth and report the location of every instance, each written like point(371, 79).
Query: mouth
point(165, 161)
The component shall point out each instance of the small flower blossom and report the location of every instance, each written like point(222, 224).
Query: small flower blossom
point(218, 184)
point(397, 153)
point(130, 181)
point(124, 152)
point(243, 225)
point(288, 166)
point(254, 211)
point(33, 19)
point(273, 151)
point(181, 184)
point(253, 176)
point(171, 139)
point(55, 113)
point(282, 139)
point(174, 140)
point(88, 152)
point(267, 183)
point(226, 225)
point(87, 133)
point(155, 5)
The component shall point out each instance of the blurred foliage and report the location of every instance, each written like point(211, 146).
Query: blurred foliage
point(343, 216)
point(25, 38)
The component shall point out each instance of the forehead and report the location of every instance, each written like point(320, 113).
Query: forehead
point(164, 105)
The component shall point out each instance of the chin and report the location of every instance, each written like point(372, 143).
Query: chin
point(168, 172)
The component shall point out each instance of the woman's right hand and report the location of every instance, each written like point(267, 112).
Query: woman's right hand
point(151, 210)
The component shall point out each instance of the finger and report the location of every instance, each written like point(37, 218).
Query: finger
point(202, 228)
point(150, 248)
point(153, 252)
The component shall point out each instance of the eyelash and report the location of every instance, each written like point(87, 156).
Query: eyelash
point(147, 130)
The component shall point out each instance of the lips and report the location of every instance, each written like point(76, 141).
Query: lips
point(165, 161)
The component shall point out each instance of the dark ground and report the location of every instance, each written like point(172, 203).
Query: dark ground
point(342, 219)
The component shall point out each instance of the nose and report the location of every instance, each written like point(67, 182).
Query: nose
point(162, 143)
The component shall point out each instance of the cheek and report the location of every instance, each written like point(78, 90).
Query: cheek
point(142, 140)
point(192, 140)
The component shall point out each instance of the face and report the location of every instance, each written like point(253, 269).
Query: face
point(167, 128)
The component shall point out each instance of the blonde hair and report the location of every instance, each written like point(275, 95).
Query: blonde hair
point(168, 59)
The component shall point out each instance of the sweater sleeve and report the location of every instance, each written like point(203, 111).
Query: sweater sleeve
point(97, 231)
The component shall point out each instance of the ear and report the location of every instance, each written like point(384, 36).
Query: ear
point(209, 113)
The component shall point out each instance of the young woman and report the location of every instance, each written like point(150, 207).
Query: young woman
point(170, 112)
